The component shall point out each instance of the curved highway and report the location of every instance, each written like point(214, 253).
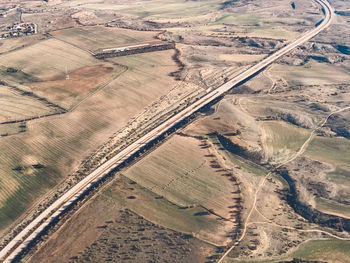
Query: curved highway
point(32, 230)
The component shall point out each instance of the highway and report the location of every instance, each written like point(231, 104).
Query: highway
point(32, 230)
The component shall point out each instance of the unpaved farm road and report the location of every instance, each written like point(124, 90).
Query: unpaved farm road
point(43, 220)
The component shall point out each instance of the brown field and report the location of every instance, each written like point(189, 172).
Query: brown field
point(46, 62)
point(82, 83)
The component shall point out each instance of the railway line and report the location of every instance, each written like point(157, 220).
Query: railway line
point(20, 242)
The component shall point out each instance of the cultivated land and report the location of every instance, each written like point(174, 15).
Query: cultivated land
point(15, 105)
point(92, 38)
point(57, 142)
point(277, 144)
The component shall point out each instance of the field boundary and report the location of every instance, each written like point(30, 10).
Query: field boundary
point(49, 104)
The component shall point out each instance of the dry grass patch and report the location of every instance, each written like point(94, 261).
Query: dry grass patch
point(241, 58)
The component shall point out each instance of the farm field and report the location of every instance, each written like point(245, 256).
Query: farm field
point(47, 59)
point(10, 44)
point(258, 25)
point(268, 21)
point(98, 37)
point(333, 208)
point(41, 69)
point(186, 178)
point(194, 219)
point(334, 151)
point(102, 97)
point(16, 106)
point(171, 188)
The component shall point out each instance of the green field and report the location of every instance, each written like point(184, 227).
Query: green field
point(335, 151)
point(314, 73)
point(184, 177)
point(238, 19)
point(23, 187)
point(282, 140)
point(332, 207)
point(157, 209)
point(340, 175)
point(335, 251)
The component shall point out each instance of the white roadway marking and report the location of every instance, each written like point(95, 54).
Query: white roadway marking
point(33, 229)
